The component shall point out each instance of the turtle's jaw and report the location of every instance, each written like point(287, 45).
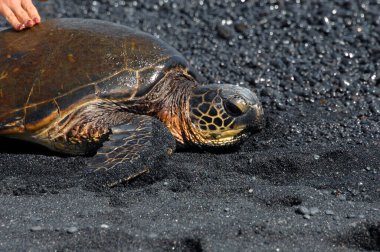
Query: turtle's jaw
point(227, 138)
point(224, 138)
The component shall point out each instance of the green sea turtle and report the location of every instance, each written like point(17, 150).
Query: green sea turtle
point(82, 87)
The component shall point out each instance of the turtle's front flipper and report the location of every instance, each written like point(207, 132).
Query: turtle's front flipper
point(131, 150)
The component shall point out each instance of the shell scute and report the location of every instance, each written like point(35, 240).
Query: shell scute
point(12, 123)
point(123, 85)
point(40, 115)
point(76, 98)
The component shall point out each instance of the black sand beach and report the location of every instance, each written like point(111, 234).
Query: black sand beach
point(310, 181)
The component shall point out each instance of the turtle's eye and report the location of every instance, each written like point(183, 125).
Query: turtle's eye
point(232, 109)
point(235, 107)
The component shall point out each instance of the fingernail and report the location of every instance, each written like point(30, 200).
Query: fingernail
point(36, 20)
point(20, 27)
point(29, 23)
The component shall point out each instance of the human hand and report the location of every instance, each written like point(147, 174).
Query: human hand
point(20, 14)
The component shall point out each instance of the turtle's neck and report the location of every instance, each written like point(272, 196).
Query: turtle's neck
point(171, 106)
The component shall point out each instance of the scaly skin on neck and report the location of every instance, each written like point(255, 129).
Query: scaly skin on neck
point(172, 107)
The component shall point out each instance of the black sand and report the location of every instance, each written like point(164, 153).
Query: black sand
point(310, 181)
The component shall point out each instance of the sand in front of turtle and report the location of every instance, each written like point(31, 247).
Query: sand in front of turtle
point(309, 181)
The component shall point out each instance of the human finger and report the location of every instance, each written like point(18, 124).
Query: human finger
point(31, 10)
point(21, 15)
point(12, 19)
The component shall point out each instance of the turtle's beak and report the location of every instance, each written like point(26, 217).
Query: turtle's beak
point(242, 104)
point(252, 120)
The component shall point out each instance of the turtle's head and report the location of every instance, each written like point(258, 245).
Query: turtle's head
point(222, 114)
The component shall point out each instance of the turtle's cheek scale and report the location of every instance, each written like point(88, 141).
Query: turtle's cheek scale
point(211, 126)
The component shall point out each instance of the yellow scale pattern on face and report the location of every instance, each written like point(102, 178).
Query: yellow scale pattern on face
point(210, 115)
